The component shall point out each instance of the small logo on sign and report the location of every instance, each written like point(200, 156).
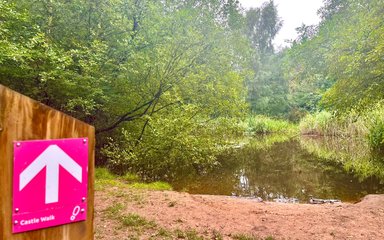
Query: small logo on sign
point(75, 212)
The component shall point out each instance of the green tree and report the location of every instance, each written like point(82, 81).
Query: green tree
point(154, 77)
point(342, 61)
point(267, 88)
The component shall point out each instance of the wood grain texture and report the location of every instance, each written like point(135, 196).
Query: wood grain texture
point(22, 118)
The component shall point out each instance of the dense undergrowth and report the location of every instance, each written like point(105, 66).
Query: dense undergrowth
point(260, 124)
point(368, 125)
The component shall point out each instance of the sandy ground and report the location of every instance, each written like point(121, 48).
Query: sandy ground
point(228, 216)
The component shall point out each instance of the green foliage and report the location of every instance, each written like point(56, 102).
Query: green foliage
point(264, 125)
point(148, 67)
point(354, 154)
point(166, 83)
point(317, 124)
point(267, 88)
point(366, 125)
point(172, 145)
point(342, 60)
point(262, 26)
point(130, 177)
point(326, 124)
point(376, 135)
point(375, 120)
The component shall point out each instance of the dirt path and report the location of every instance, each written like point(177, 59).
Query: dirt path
point(169, 214)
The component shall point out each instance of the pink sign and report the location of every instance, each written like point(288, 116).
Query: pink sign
point(50, 179)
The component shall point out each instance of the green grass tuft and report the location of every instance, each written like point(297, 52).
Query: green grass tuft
point(264, 125)
point(104, 174)
point(248, 237)
point(189, 234)
point(159, 186)
point(135, 220)
point(104, 178)
point(114, 210)
point(244, 237)
point(376, 127)
point(317, 124)
point(130, 177)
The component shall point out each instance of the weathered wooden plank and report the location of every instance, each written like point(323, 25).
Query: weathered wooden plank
point(22, 118)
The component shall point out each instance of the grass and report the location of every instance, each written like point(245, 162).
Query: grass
point(114, 210)
point(135, 220)
point(159, 186)
point(316, 124)
point(217, 235)
point(162, 232)
point(368, 125)
point(135, 226)
point(104, 174)
point(376, 127)
point(265, 125)
point(244, 237)
point(248, 237)
point(189, 234)
point(104, 178)
point(353, 154)
point(130, 177)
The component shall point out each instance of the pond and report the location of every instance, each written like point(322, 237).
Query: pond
point(284, 169)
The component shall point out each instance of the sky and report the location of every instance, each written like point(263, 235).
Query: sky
point(293, 13)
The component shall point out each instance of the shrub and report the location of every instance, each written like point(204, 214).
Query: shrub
point(170, 145)
point(375, 119)
point(376, 136)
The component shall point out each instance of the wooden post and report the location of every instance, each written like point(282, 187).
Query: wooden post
point(22, 118)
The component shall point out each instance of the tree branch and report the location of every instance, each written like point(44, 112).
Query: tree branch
point(132, 115)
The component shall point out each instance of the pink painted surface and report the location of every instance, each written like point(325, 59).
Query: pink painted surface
point(50, 179)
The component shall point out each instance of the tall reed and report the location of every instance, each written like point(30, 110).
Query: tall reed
point(265, 125)
point(368, 124)
point(327, 124)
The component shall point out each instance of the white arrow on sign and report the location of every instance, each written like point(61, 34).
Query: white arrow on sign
point(52, 158)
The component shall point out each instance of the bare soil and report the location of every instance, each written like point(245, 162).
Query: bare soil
point(221, 217)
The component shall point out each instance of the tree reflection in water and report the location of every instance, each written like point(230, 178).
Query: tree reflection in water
point(297, 168)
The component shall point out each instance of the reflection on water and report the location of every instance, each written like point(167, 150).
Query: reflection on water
point(354, 154)
point(300, 168)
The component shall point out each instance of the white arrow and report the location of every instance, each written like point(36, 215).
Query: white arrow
point(51, 158)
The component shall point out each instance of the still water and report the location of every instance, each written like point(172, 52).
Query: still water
point(293, 169)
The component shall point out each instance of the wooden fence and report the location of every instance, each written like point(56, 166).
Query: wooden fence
point(22, 118)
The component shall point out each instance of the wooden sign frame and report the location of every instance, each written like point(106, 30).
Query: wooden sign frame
point(22, 118)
